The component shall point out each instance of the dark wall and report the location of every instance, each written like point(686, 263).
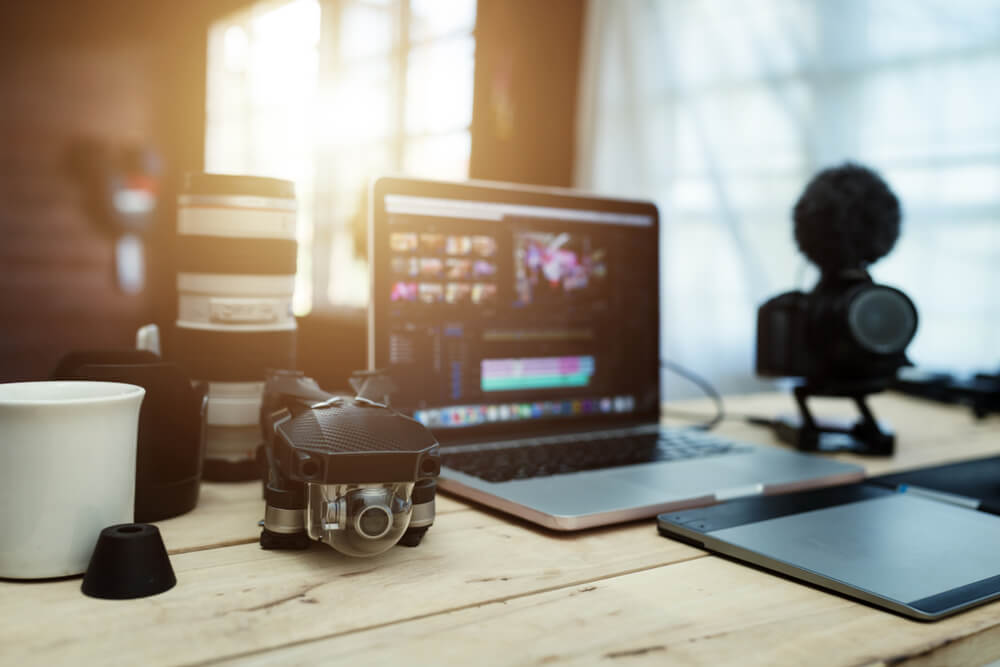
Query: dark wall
point(527, 72)
point(57, 290)
point(118, 74)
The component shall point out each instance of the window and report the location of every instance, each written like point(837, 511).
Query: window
point(330, 93)
point(722, 110)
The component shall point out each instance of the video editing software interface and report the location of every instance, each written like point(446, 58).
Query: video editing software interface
point(509, 313)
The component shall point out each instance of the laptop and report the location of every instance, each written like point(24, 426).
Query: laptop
point(522, 326)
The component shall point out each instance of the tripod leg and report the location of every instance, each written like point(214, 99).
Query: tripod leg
point(808, 437)
point(867, 431)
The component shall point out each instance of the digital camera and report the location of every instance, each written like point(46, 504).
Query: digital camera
point(846, 338)
point(848, 328)
point(348, 471)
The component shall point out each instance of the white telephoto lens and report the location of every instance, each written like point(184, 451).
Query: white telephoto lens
point(236, 274)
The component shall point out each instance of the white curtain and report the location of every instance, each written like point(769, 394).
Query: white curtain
point(721, 110)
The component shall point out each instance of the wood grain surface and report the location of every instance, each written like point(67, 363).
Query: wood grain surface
point(486, 589)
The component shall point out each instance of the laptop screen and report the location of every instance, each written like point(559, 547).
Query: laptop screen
point(497, 308)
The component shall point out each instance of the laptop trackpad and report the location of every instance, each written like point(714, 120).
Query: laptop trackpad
point(716, 474)
point(580, 494)
point(698, 477)
point(643, 485)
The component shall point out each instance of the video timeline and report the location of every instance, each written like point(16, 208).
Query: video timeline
point(536, 373)
point(481, 414)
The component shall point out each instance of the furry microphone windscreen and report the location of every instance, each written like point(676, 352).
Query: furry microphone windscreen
point(846, 218)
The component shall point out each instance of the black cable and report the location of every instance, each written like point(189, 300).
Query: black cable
point(705, 386)
point(708, 423)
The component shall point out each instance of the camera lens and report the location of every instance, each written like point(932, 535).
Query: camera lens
point(236, 274)
point(882, 320)
point(373, 522)
point(359, 519)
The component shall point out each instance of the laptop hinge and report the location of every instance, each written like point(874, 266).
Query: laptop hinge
point(550, 437)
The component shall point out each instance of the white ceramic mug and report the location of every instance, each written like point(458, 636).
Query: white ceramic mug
point(67, 470)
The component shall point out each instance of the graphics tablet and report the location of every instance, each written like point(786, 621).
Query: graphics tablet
point(907, 552)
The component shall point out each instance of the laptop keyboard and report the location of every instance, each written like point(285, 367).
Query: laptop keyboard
point(558, 455)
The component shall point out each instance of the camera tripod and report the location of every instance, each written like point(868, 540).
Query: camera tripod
point(865, 436)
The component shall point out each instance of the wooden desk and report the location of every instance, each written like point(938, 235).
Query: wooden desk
point(486, 589)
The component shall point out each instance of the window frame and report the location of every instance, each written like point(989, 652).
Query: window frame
point(334, 206)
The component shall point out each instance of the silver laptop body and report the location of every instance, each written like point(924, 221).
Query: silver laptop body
point(519, 321)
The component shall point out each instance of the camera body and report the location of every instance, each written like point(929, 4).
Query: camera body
point(347, 471)
point(847, 329)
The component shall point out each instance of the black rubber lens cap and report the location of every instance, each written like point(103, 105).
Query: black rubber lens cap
point(129, 561)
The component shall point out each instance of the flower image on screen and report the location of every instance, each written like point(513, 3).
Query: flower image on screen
point(550, 266)
point(404, 292)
